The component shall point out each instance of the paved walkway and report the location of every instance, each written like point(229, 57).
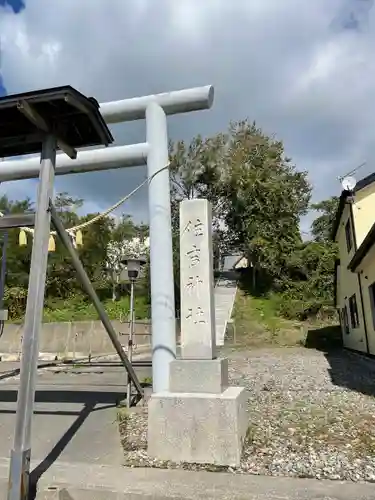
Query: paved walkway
point(94, 482)
point(75, 414)
point(225, 293)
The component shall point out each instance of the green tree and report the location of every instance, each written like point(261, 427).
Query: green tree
point(61, 281)
point(310, 288)
point(94, 249)
point(321, 228)
point(63, 201)
point(265, 197)
point(17, 258)
point(195, 173)
point(142, 231)
point(67, 207)
point(124, 229)
point(255, 191)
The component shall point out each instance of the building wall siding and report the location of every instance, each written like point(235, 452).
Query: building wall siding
point(348, 285)
point(367, 272)
point(363, 212)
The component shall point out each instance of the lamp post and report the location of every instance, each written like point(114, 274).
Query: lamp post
point(133, 267)
point(3, 311)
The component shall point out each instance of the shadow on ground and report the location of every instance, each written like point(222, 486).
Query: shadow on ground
point(346, 369)
point(90, 400)
point(228, 275)
point(327, 338)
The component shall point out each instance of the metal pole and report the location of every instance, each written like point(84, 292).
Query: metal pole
point(130, 341)
point(20, 455)
point(3, 269)
point(3, 278)
point(162, 282)
point(89, 289)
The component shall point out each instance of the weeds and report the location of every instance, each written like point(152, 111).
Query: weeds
point(258, 323)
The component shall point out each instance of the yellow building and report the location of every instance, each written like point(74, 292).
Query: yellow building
point(354, 231)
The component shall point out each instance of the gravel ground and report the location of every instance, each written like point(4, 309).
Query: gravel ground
point(310, 415)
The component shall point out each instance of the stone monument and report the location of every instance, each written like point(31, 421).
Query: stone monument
point(201, 419)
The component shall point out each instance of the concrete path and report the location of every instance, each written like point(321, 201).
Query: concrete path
point(225, 293)
point(93, 482)
point(75, 414)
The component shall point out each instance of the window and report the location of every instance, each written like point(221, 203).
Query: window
point(371, 290)
point(354, 318)
point(345, 320)
point(348, 235)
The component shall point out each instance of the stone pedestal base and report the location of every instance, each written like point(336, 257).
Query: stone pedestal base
point(198, 375)
point(198, 427)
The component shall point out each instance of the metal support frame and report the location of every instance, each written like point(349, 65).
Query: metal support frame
point(89, 289)
point(154, 108)
point(20, 454)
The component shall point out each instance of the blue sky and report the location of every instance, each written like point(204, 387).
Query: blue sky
point(15, 5)
point(305, 71)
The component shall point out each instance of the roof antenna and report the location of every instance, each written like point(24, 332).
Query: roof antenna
point(349, 174)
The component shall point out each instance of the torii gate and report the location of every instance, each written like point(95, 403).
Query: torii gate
point(89, 128)
point(154, 153)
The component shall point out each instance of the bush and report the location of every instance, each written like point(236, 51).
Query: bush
point(15, 300)
point(303, 308)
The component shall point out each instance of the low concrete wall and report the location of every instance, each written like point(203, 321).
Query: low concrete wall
point(75, 338)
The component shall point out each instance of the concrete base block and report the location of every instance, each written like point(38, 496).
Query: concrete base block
point(210, 376)
point(198, 427)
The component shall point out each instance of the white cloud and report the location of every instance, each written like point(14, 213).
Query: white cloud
point(280, 63)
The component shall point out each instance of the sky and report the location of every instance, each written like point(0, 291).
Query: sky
point(304, 71)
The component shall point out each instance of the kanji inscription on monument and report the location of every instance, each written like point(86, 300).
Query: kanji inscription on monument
point(194, 256)
point(197, 297)
point(193, 285)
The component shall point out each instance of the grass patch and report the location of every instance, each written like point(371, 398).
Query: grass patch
point(258, 322)
point(80, 309)
point(122, 413)
point(264, 310)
